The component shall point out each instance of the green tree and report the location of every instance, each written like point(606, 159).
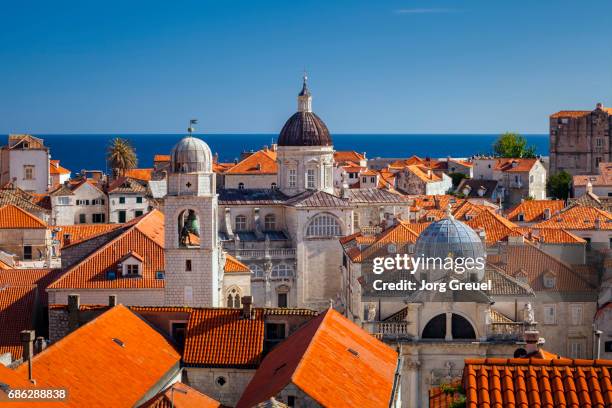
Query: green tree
point(559, 185)
point(457, 177)
point(513, 145)
point(121, 156)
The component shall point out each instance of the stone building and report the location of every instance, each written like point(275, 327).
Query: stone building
point(23, 235)
point(25, 162)
point(599, 184)
point(419, 180)
point(580, 140)
point(127, 199)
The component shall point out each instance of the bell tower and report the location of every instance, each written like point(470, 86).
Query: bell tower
point(193, 273)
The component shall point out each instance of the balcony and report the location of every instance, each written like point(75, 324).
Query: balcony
point(388, 330)
point(273, 253)
point(508, 331)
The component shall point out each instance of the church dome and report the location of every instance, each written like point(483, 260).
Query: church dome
point(191, 155)
point(304, 128)
point(449, 238)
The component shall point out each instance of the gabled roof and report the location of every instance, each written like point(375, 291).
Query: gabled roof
point(161, 158)
point(579, 217)
point(55, 168)
point(424, 174)
point(145, 235)
point(533, 210)
point(139, 174)
point(233, 265)
point(577, 113)
point(12, 217)
point(316, 198)
point(221, 337)
point(589, 199)
point(348, 155)
point(112, 361)
point(475, 187)
point(126, 185)
point(514, 165)
point(604, 178)
point(331, 360)
point(82, 232)
point(17, 197)
point(497, 228)
point(550, 235)
point(400, 234)
point(40, 278)
point(537, 382)
point(183, 396)
point(260, 162)
point(17, 304)
point(374, 195)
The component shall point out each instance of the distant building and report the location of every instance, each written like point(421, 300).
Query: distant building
point(127, 199)
point(59, 174)
point(78, 202)
point(257, 170)
point(25, 162)
point(415, 179)
point(24, 235)
point(580, 140)
point(600, 183)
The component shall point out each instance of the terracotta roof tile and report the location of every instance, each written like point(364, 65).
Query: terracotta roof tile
point(576, 113)
point(139, 174)
point(17, 305)
point(537, 382)
point(55, 168)
point(550, 235)
point(346, 156)
point(579, 217)
point(422, 173)
point(514, 165)
point(183, 396)
point(81, 232)
point(497, 228)
point(260, 162)
point(161, 158)
point(332, 361)
point(534, 210)
point(145, 236)
point(12, 217)
point(112, 361)
point(41, 278)
point(234, 265)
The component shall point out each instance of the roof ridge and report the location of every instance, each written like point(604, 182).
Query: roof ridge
point(27, 214)
point(323, 316)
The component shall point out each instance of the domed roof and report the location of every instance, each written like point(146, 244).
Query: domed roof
point(191, 155)
point(304, 129)
point(449, 237)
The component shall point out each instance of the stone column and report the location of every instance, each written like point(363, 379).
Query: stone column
point(449, 326)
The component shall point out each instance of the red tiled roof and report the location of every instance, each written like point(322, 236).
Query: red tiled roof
point(55, 168)
point(222, 338)
point(497, 228)
point(17, 304)
point(533, 210)
point(139, 174)
point(234, 265)
point(550, 235)
point(183, 396)
point(41, 278)
point(330, 359)
point(579, 217)
point(346, 156)
point(260, 162)
point(441, 398)
point(82, 232)
point(514, 165)
point(145, 236)
point(12, 217)
point(112, 361)
point(422, 173)
point(576, 113)
point(498, 382)
point(161, 158)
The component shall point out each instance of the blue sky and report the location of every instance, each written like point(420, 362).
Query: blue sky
point(374, 66)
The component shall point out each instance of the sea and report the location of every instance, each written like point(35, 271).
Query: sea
point(87, 151)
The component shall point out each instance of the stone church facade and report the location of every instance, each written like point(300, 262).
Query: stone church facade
point(580, 140)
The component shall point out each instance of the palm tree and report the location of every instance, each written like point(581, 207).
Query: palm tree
point(121, 156)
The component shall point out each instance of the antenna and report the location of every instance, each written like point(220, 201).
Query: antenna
point(190, 129)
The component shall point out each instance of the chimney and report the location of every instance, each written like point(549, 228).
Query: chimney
point(597, 334)
point(533, 340)
point(39, 344)
point(247, 307)
point(73, 311)
point(597, 223)
point(27, 339)
point(112, 300)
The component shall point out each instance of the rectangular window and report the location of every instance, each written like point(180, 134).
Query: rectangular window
point(597, 161)
point(575, 349)
point(282, 300)
point(121, 200)
point(355, 221)
point(138, 200)
point(27, 252)
point(122, 216)
point(82, 219)
point(310, 178)
point(137, 213)
point(292, 177)
point(372, 179)
point(187, 295)
point(28, 172)
point(576, 315)
point(291, 400)
point(364, 179)
point(178, 332)
point(188, 265)
point(97, 218)
point(63, 200)
point(550, 314)
point(132, 270)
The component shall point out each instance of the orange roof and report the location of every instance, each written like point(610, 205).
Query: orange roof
point(260, 162)
point(346, 156)
point(55, 168)
point(421, 172)
point(221, 167)
point(17, 304)
point(576, 113)
point(41, 278)
point(112, 361)
point(497, 228)
point(441, 398)
point(183, 396)
point(161, 158)
point(514, 165)
point(82, 232)
point(533, 210)
point(234, 265)
point(494, 382)
point(222, 338)
point(551, 235)
point(330, 359)
point(139, 174)
point(579, 217)
point(12, 217)
point(145, 236)
point(13, 379)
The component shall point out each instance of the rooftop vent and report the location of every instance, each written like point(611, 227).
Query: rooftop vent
point(119, 342)
point(353, 352)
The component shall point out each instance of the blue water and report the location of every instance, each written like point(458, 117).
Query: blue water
point(77, 152)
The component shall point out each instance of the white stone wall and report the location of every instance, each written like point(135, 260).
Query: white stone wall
point(128, 297)
point(88, 192)
point(250, 180)
point(302, 158)
point(62, 214)
point(483, 169)
point(205, 380)
point(130, 206)
point(13, 169)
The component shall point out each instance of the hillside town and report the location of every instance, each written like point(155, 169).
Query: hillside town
point(198, 282)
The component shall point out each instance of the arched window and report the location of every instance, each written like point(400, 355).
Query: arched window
point(273, 186)
point(323, 226)
point(188, 229)
point(270, 222)
point(258, 271)
point(282, 271)
point(435, 328)
point(233, 298)
point(461, 328)
point(241, 223)
point(240, 186)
